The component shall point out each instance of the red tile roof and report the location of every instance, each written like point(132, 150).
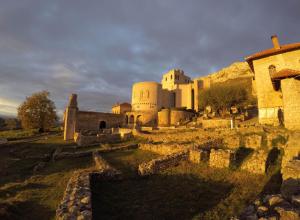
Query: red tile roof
point(285, 73)
point(273, 51)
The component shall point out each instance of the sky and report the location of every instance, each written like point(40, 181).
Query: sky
point(99, 48)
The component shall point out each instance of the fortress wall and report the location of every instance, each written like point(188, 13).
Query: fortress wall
point(164, 117)
point(178, 116)
point(91, 120)
point(291, 103)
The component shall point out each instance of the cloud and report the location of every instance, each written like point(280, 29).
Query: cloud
point(99, 48)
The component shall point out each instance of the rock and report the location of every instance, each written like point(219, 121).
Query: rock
point(287, 214)
point(85, 215)
point(85, 200)
point(3, 141)
point(261, 211)
point(274, 200)
point(296, 200)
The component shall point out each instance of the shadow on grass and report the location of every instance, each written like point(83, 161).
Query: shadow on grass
point(157, 197)
point(14, 189)
point(16, 210)
point(241, 154)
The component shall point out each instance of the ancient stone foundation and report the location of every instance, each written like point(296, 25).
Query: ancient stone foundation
point(76, 203)
point(163, 149)
point(198, 155)
point(256, 163)
point(216, 123)
point(291, 179)
point(162, 163)
point(221, 158)
point(253, 141)
point(232, 142)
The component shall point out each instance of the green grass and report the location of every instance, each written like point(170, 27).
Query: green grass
point(28, 195)
point(183, 192)
point(16, 134)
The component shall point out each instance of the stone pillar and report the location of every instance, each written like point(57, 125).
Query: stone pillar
point(70, 118)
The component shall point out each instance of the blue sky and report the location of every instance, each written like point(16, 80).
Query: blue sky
point(97, 49)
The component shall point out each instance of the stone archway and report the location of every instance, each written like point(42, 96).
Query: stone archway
point(131, 119)
point(102, 125)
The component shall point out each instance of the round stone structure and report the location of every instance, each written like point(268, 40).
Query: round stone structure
point(146, 96)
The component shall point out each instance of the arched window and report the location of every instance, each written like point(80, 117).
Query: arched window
point(141, 94)
point(171, 76)
point(272, 69)
point(148, 94)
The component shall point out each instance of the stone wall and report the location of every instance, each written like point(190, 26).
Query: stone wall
point(76, 202)
point(232, 141)
point(216, 123)
point(179, 116)
point(163, 149)
point(91, 120)
point(291, 104)
point(162, 163)
point(253, 141)
point(256, 163)
point(291, 179)
point(198, 155)
point(221, 158)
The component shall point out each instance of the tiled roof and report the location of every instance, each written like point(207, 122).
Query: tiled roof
point(285, 73)
point(273, 51)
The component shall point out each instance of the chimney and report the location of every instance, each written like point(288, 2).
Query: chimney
point(275, 42)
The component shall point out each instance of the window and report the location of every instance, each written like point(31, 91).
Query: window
point(148, 94)
point(272, 69)
point(171, 76)
point(166, 78)
point(141, 94)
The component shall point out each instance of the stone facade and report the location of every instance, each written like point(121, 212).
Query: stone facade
point(75, 120)
point(162, 163)
point(256, 163)
point(169, 117)
point(291, 102)
point(275, 93)
point(121, 108)
point(221, 158)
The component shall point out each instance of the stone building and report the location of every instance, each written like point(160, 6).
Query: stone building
point(277, 80)
point(176, 96)
point(76, 120)
point(121, 108)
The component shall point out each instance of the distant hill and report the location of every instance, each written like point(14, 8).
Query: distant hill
point(236, 70)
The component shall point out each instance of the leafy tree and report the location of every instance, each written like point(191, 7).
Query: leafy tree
point(12, 123)
point(222, 97)
point(37, 111)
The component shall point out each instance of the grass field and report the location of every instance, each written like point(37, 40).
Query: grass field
point(25, 194)
point(188, 191)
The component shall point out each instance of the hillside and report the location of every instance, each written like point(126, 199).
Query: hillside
point(234, 71)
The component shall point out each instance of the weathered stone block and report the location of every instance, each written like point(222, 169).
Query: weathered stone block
point(253, 141)
point(256, 163)
point(291, 179)
point(232, 142)
point(197, 156)
point(221, 158)
point(156, 165)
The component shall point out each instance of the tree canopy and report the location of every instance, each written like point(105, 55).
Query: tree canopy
point(222, 97)
point(37, 111)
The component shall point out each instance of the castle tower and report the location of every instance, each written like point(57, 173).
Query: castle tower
point(70, 117)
